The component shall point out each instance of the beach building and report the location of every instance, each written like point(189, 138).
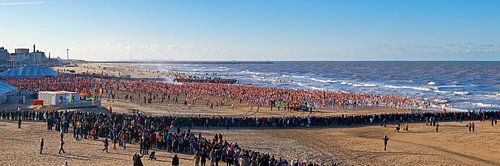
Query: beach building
point(66, 99)
point(6, 90)
point(21, 51)
point(4, 55)
point(58, 98)
point(29, 71)
point(23, 57)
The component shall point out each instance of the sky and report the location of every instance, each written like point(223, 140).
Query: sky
point(285, 30)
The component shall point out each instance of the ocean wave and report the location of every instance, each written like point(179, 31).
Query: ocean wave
point(440, 91)
point(494, 95)
point(249, 72)
point(317, 88)
point(302, 84)
point(323, 80)
point(409, 87)
point(404, 81)
point(450, 86)
point(299, 76)
point(440, 101)
point(485, 105)
point(364, 85)
point(461, 93)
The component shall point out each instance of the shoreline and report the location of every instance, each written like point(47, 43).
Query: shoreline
point(135, 72)
point(349, 145)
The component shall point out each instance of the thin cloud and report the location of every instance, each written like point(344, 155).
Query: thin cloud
point(21, 3)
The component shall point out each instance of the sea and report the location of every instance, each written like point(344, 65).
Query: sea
point(456, 86)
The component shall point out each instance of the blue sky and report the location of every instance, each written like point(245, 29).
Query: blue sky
point(255, 29)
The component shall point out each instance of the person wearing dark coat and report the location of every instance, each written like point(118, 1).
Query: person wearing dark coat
point(386, 140)
point(175, 161)
point(137, 160)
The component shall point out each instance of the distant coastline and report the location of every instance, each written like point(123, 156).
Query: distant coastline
point(262, 62)
point(184, 62)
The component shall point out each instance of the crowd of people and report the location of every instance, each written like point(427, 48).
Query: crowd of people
point(150, 133)
point(212, 94)
point(164, 132)
point(88, 121)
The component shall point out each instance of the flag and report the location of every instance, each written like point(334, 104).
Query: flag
point(100, 92)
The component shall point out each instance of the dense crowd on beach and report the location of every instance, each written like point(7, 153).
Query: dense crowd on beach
point(151, 133)
point(164, 132)
point(88, 118)
point(212, 95)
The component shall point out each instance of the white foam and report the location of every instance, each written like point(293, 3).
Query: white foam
point(408, 87)
point(298, 76)
point(485, 105)
point(301, 84)
point(494, 95)
point(449, 86)
point(316, 88)
point(431, 83)
point(461, 93)
point(322, 80)
point(440, 101)
point(439, 91)
point(365, 85)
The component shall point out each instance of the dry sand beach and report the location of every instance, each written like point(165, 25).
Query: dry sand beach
point(421, 145)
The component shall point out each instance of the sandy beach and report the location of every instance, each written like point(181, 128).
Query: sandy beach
point(249, 83)
point(421, 145)
point(361, 145)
